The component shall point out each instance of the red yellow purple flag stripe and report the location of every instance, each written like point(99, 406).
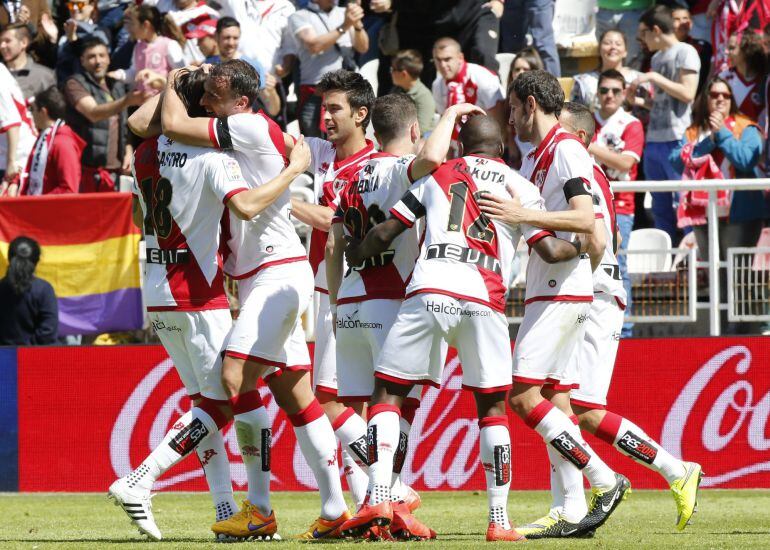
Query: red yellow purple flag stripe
point(89, 255)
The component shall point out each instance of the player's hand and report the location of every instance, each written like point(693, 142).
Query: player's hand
point(466, 109)
point(716, 121)
point(506, 210)
point(299, 159)
point(353, 251)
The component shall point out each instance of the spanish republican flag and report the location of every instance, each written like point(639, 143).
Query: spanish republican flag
point(90, 254)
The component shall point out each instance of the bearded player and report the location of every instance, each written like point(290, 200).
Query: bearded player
point(181, 192)
point(456, 296)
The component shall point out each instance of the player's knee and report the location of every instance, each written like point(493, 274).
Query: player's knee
point(232, 377)
point(589, 418)
point(523, 399)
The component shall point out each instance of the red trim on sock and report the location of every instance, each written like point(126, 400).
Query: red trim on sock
point(609, 427)
point(245, 402)
point(574, 419)
point(341, 419)
point(312, 412)
point(211, 408)
point(381, 408)
point(538, 413)
point(488, 421)
point(409, 409)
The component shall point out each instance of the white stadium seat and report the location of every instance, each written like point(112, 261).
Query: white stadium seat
point(657, 242)
point(504, 60)
point(369, 72)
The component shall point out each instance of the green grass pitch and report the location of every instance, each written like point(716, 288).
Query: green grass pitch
point(726, 519)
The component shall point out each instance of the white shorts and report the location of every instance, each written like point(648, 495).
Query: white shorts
point(548, 344)
point(324, 357)
point(361, 331)
point(195, 340)
point(427, 324)
point(269, 327)
point(597, 354)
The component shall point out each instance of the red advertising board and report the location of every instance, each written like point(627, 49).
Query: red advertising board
point(89, 415)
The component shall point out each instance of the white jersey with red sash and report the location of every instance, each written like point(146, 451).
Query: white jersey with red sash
point(465, 254)
point(607, 277)
point(364, 202)
point(560, 167)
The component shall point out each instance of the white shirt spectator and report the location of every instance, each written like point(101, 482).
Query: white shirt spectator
point(13, 112)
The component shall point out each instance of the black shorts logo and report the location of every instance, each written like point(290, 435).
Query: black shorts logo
point(189, 437)
point(359, 449)
point(267, 443)
point(637, 447)
point(571, 450)
point(502, 455)
point(371, 444)
point(400, 457)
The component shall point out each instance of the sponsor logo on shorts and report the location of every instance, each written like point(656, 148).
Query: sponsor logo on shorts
point(637, 447)
point(502, 455)
point(188, 438)
point(250, 450)
point(451, 309)
point(267, 441)
point(571, 450)
point(582, 318)
point(350, 321)
point(160, 325)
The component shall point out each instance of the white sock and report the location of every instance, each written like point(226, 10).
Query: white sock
point(558, 431)
point(557, 485)
point(495, 446)
point(383, 434)
point(186, 433)
point(632, 441)
point(213, 458)
point(599, 475)
point(319, 447)
point(350, 429)
point(397, 488)
point(252, 428)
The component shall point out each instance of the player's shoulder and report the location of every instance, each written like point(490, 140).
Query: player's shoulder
point(570, 147)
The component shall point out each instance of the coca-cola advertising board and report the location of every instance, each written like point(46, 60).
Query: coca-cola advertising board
point(88, 415)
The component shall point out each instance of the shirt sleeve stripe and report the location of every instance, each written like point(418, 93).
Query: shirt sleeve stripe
point(9, 126)
point(213, 133)
point(232, 193)
point(537, 236)
point(400, 217)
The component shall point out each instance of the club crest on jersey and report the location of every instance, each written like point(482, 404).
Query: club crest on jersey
point(540, 178)
point(232, 169)
point(338, 184)
point(324, 166)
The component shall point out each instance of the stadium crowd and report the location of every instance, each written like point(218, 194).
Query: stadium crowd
point(678, 84)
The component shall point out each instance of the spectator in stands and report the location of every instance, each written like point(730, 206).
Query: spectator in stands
point(535, 17)
point(32, 77)
point(748, 70)
point(459, 81)
point(326, 35)
point(734, 141)
point(183, 22)
point(154, 55)
point(53, 166)
point(97, 107)
point(682, 29)
point(617, 146)
point(731, 17)
point(622, 15)
point(612, 54)
point(674, 75)
point(30, 12)
point(228, 37)
point(80, 27)
point(526, 60)
point(265, 19)
point(16, 133)
point(405, 69)
point(207, 38)
point(30, 311)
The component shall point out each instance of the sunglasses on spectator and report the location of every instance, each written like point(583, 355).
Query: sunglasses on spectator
point(78, 5)
point(720, 95)
point(615, 91)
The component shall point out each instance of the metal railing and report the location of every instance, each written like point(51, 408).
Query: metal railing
point(712, 186)
point(748, 284)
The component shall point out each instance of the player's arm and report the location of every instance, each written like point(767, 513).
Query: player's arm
point(176, 123)
point(376, 241)
point(335, 251)
point(553, 249)
point(436, 147)
point(247, 204)
point(314, 215)
point(597, 243)
point(145, 122)
point(578, 219)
